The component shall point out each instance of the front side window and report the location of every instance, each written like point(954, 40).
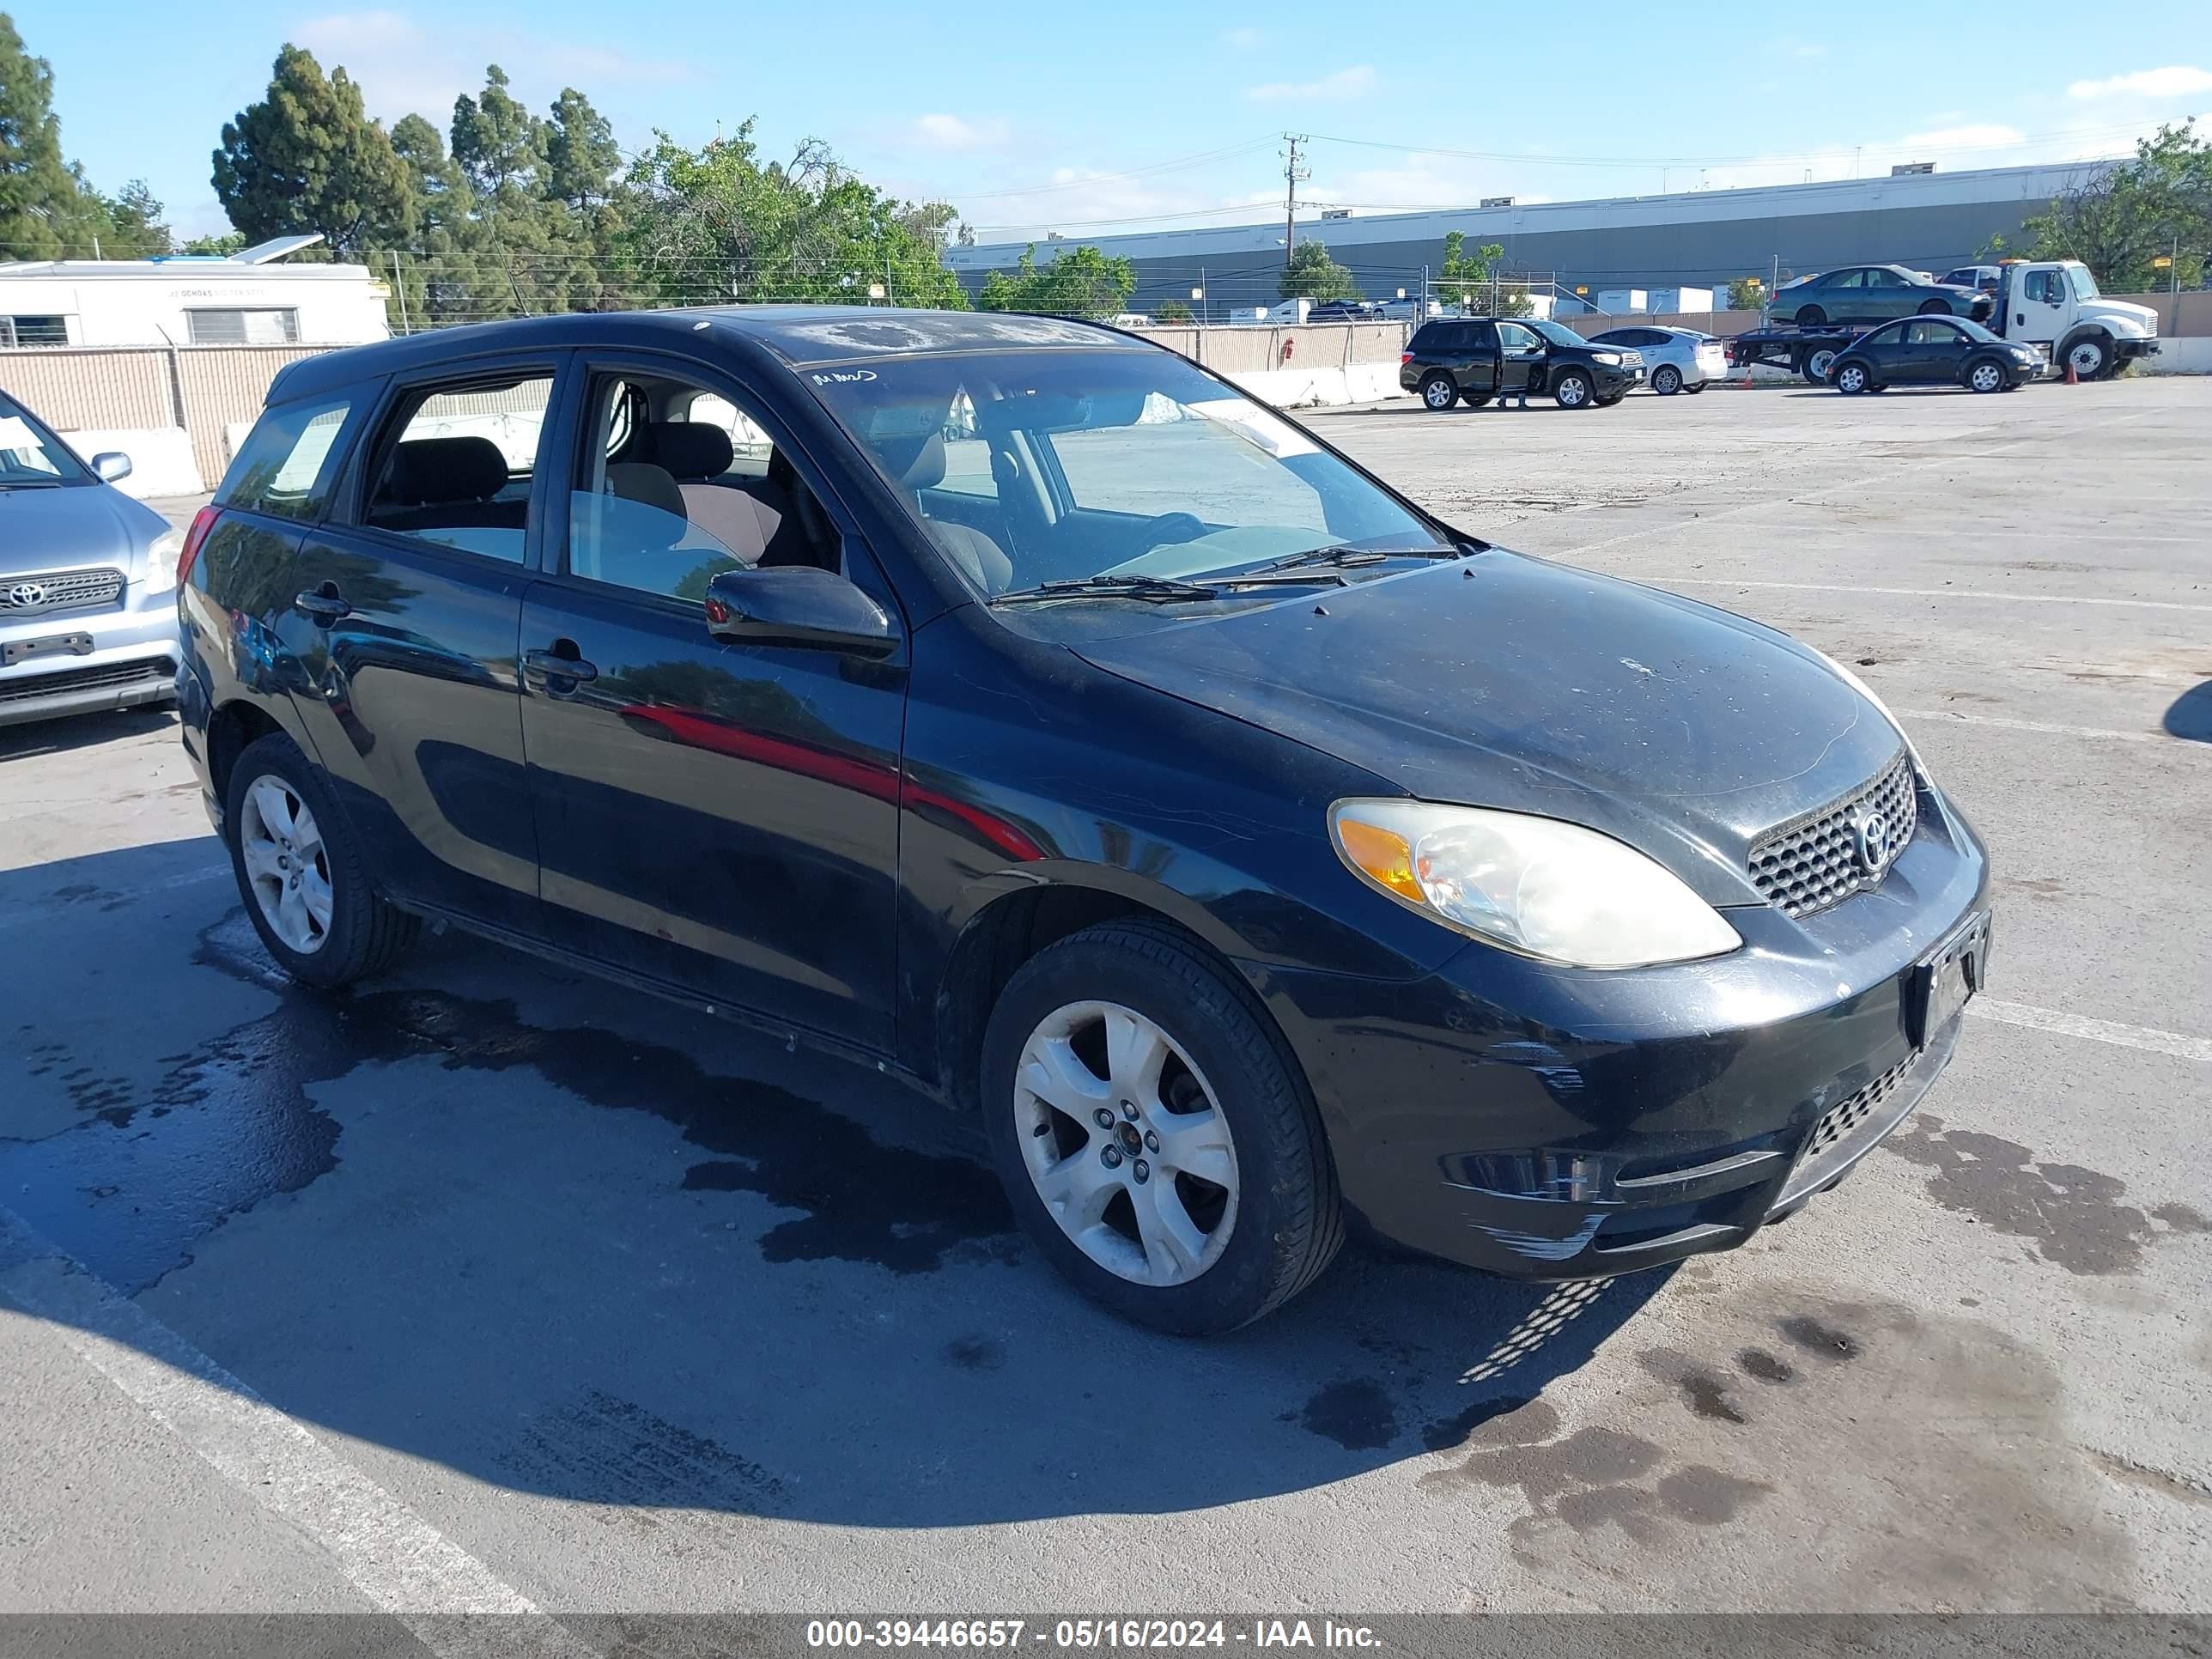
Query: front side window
point(455, 463)
point(29, 457)
point(1105, 462)
point(678, 484)
point(285, 465)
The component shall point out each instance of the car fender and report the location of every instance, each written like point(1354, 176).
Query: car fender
point(2090, 330)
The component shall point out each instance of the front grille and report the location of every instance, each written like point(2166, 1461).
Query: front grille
point(1814, 861)
point(26, 687)
point(58, 589)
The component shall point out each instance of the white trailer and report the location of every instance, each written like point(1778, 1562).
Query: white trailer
point(246, 299)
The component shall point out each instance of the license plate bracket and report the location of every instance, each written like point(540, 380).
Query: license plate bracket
point(1944, 980)
point(50, 645)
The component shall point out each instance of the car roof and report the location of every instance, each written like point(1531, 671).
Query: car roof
point(800, 336)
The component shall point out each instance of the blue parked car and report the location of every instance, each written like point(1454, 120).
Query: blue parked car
point(87, 581)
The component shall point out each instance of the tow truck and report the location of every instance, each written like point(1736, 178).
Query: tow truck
point(2053, 304)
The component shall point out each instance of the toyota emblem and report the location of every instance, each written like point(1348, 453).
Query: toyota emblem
point(24, 595)
point(1870, 838)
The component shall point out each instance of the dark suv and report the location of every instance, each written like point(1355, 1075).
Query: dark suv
point(1472, 359)
point(955, 691)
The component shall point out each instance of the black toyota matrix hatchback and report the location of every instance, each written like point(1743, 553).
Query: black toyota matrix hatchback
point(1020, 709)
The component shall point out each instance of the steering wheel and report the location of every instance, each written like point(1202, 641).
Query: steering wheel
point(1172, 527)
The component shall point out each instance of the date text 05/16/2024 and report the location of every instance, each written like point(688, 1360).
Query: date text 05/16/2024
point(1087, 1634)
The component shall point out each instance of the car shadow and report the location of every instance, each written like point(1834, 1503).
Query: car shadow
point(570, 1240)
point(2191, 717)
point(62, 737)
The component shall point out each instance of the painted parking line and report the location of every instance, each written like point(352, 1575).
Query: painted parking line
point(1919, 592)
point(34, 913)
point(395, 1559)
point(2051, 728)
point(2095, 1031)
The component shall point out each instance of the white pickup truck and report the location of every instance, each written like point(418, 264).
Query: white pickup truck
point(2055, 304)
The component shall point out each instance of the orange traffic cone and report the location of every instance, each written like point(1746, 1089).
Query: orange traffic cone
point(2072, 379)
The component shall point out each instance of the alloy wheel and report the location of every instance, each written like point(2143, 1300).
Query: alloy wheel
point(1987, 377)
point(1126, 1143)
point(286, 864)
point(1852, 378)
point(1572, 390)
point(1438, 393)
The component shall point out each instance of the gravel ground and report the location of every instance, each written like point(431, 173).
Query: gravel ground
point(416, 1300)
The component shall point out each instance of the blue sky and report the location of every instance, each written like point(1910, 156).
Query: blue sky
point(1091, 120)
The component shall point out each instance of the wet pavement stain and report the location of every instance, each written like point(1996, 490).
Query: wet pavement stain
point(1809, 1334)
point(974, 1353)
point(232, 1123)
point(1446, 1433)
point(1766, 1367)
point(2072, 1216)
point(626, 1457)
point(1357, 1414)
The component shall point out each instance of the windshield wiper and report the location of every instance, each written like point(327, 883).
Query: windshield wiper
point(1163, 588)
point(30, 483)
point(1345, 556)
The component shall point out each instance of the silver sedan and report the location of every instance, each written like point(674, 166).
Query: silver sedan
point(1674, 359)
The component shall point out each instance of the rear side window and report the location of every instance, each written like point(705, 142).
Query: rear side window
point(287, 461)
point(1428, 337)
point(456, 465)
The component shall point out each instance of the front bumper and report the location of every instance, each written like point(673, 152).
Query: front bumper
point(1552, 1123)
point(2128, 351)
point(132, 659)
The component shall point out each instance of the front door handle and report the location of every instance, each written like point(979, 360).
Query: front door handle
point(322, 606)
point(561, 663)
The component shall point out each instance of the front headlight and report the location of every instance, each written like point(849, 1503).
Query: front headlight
point(1537, 886)
point(1612, 359)
point(161, 559)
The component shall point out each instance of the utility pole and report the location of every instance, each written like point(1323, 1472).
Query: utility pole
point(1294, 173)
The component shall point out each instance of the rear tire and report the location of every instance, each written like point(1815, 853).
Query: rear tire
point(1810, 316)
point(1475, 399)
point(1934, 308)
point(1667, 379)
point(1817, 364)
point(1571, 389)
point(1217, 1065)
point(1852, 378)
point(301, 871)
point(1438, 392)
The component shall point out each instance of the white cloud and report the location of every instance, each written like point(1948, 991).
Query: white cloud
point(1243, 39)
point(951, 132)
point(1341, 87)
point(403, 67)
point(2176, 80)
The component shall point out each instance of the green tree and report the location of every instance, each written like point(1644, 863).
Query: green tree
point(138, 226)
point(719, 225)
point(496, 142)
point(581, 157)
point(307, 158)
point(42, 207)
point(2130, 213)
point(1310, 274)
point(1747, 294)
point(1172, 311)
point(1471, 282)
point(220, 247)
point(1081, 282)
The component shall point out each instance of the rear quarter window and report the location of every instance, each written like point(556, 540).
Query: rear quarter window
point(288, 461)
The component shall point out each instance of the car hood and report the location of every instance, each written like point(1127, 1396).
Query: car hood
point(2122, 311)
point(65, 526)
point(1507, 682)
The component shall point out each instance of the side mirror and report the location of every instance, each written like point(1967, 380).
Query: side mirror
point(797, 606)
point(111, 464)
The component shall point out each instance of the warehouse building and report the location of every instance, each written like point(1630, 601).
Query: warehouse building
point(1930, 221)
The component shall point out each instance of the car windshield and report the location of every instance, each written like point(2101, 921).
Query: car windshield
point(1557, 333)
point(28, 457)
point(1974, 331)
point(2085, 285)
point(1036, 466)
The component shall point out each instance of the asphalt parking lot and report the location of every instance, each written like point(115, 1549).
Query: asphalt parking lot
point(487, 1286)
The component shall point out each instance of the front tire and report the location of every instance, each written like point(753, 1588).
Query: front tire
point(1154, 1134)
point(301, 871)
point(1934, 308)
point(1851, 378)
point(1666, 380)
point(1987, 376)
point(1438, 392)
point(1571, 389)
point(2090, 357)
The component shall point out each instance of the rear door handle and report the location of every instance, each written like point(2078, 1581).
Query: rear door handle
point(322, 606)
point(561, 663)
